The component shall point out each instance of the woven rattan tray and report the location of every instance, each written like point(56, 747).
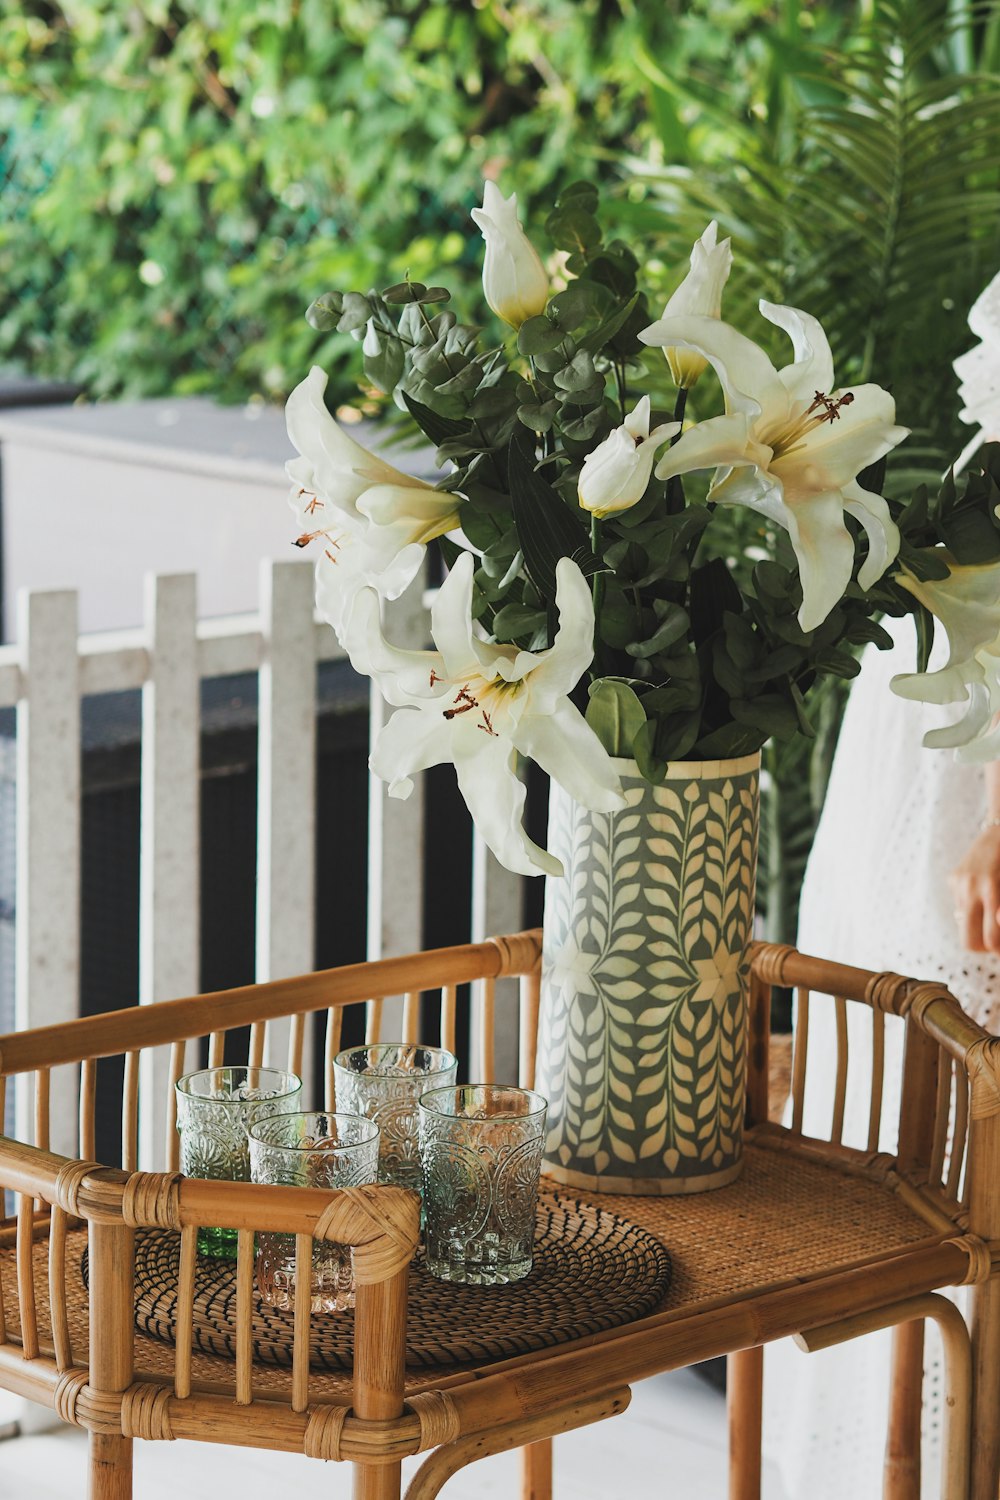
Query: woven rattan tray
point(592, 1270)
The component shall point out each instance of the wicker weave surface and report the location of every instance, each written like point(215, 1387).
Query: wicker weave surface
point(592, 1270)
point(784, 1220)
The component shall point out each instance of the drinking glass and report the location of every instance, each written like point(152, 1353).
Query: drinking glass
point(316, 1150)
point(214, 1109)
point(481, 1154)
point(384, 1080)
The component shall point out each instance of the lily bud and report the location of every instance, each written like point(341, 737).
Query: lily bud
point(514, 280)
point(701, 293)
point(616, 475)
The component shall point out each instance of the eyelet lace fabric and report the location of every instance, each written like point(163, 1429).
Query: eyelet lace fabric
point(897, 819)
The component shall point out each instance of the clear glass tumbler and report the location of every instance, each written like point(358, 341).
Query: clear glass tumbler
point(384, 1080)
point(481, 1155)
point(214, 1109)
point(320, 1151)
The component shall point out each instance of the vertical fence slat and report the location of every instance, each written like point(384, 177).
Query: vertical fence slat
point(286, 787)
point(486, 1010)
point(395, 827)
point(169, 812)
point(47, 929)
point(497, 908)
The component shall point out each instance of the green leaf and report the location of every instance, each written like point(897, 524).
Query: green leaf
point(651, 766)
point(324, 313)
point(605, 332)
point(515, 620)
point(672, 627)
point(384, 366)
point(770, 712)
point(536, 335)
point(615, 714)
point(357, 311)
point(546, 529)
point(439, 429)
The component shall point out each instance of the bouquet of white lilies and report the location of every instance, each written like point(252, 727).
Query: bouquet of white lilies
point(590, 611)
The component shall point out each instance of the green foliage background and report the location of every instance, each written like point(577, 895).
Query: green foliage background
point(244, 157)
point(179, 180)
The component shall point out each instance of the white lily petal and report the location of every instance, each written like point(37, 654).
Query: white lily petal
point(515, 281)
point(812, 369)
point(824, 549)
point(977, 719)
point(882, 532)
point(716, 442)
point(748, 378)
point(637, 421)
point(462, 652)
point(341, 468)
point(494, 795)
point(837, 451)
point(565, 746)
point(410, 742)
point(558, 669)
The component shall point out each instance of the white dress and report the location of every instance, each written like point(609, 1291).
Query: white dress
point(897, 819)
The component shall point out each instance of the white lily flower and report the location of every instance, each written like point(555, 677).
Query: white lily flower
point(967, 603)
point(979, 371)
point(617, 473)
point(370, 520)
point(514, 280)
point(700, 294)
point(790, 446)
point(480, 705)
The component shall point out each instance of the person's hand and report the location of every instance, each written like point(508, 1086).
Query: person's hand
point(975, 888)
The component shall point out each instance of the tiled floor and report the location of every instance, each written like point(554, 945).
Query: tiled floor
point(671, 1440)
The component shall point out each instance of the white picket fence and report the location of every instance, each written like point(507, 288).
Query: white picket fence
point(50, 670)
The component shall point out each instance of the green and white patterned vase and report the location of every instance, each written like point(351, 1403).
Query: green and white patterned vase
point(642, 1046)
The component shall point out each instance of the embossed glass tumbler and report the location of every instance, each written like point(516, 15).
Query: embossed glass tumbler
point(384, 1080)
point(314, 1150)
point(481, 1153)
point(214, 1109)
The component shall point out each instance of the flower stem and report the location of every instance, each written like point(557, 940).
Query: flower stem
point(597, 586)
point(675, 485)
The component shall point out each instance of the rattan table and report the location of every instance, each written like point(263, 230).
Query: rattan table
point(816, 1239)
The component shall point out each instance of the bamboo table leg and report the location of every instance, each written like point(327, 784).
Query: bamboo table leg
point(111, 1277)
point(901, 1479)
point(744, 1401)
point(379, 1374)
point(986, 1390)
point(957, 1349)
point(536, 1471)
point(448, 1459)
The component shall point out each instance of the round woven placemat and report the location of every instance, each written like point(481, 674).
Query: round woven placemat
point(592, 1270)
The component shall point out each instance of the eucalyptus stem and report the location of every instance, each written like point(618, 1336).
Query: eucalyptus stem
point(675, 486)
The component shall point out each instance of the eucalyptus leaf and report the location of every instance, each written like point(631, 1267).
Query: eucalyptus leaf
point(615, 714)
